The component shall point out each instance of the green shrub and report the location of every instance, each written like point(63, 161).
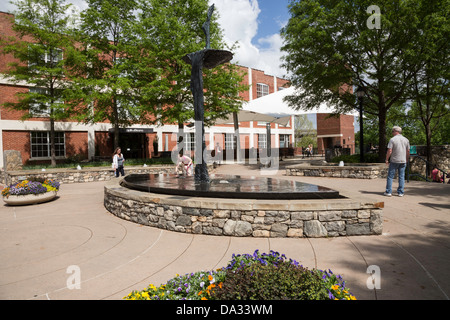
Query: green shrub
point(355, 158)
point(284, 281)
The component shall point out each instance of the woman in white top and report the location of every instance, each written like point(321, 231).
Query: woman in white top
point(118, 161)
point(184, 165)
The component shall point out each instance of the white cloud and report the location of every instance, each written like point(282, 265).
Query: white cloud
point(239, 21)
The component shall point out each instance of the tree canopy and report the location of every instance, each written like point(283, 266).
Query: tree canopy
point(333, 46)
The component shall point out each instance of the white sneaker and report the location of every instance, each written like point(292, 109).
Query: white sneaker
point(400, 194)
point(387, 194)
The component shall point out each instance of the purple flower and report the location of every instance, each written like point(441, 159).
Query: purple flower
point(330, 295)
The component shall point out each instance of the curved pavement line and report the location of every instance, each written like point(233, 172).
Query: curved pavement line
point(314, 253)
point(421, 266)
point(365, 261)
point(224, 254)
point(109, 271)
point(51, 257)
point(83, 261)
point(151, 275)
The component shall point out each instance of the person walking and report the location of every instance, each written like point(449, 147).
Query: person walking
point(118, 161)
point(397, 158)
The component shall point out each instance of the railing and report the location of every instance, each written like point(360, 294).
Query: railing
point(427, 169)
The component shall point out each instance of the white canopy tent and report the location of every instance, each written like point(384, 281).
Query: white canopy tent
point(274, 104)
point(244, 116)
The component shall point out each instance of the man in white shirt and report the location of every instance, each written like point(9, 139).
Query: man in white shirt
point(398, 154)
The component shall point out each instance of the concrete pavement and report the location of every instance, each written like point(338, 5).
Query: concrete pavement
point(45, 248)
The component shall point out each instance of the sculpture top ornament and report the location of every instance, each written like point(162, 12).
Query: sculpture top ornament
point(206, 25)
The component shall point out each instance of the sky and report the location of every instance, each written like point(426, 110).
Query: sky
point(254, 24)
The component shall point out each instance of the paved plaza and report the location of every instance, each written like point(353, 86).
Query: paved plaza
point(44, 248)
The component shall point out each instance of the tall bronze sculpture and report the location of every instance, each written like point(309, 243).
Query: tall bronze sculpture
point(207, 58)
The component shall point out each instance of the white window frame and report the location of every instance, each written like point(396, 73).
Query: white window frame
point(285, 140)
point(45, 145)
point(36, 109)
point(46, 58)
point(262, 141)
point(230, 142)
point(190, 141)
point(41, 110)
point(262, 90)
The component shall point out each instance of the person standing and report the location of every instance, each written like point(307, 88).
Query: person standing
point(118, 161)
point(397, 158)
point(218, 153)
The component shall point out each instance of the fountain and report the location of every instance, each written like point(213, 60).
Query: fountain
point(206, 58)
point(230, 204)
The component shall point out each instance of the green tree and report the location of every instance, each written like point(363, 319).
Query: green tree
point(103, 68)
point(305, 134)
point(171, 29)
point(332, 43)
point(42, 28)
point(430, 85)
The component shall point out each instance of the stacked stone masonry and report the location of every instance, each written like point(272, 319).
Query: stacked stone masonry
point(78, 176)
point(352, 172)
point(245, 218)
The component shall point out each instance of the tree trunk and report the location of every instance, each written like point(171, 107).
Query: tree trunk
point(116, 124)
point(52, 142)
point(429, 153)
point(382, 140)
point(237, 137)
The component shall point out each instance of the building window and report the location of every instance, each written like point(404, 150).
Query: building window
point(230, 142)
point(261, 90)
point(40, 144)
point(39, 109)
point(284, 141)
point(262, 141)
point(42, 109)
point(190, 141)
point(43, 57)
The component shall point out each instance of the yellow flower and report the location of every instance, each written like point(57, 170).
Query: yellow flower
point(210, 278)
point(335, 287)
point(203, 298)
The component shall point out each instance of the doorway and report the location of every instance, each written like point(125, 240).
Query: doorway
point(134, 145)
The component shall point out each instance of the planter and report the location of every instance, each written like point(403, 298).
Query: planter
point(18, 200)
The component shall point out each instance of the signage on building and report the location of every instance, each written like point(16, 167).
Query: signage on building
point(133, 130)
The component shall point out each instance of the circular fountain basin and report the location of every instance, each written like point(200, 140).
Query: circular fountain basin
point(228, 186)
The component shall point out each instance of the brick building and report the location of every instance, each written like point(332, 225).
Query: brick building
point(335, 132)
point(31, 137)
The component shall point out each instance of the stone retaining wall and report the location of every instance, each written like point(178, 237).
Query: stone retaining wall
point(83, 175)
point(245, 218)
point(356, 172)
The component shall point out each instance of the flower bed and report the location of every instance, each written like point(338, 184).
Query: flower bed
point(22, 191)
point(251, 277)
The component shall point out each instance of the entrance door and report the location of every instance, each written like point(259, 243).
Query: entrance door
point(134, 145)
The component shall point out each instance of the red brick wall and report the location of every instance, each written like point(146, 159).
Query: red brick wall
point(103, 144)
point(77, 144)
point(8, 94)
point(327, 125)
point(18, 140)
point(331, 126)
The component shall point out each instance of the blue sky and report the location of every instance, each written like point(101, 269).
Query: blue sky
point(273, 15)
